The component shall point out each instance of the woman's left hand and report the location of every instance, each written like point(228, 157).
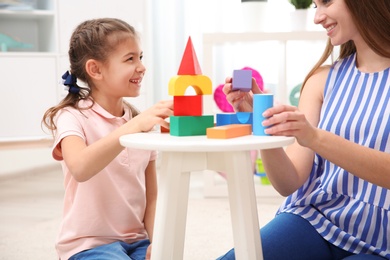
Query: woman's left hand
point(287, 120)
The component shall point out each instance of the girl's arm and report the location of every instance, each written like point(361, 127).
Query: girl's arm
point(151, 198)
point(289, 168)
point(85, 161)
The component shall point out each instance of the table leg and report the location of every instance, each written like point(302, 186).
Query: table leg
point(171, 209)
point(243, 206)
point(172, 203)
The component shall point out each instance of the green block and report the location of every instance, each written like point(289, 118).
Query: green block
point(190, 125)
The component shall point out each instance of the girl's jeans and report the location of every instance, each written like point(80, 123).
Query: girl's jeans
point(117, 250)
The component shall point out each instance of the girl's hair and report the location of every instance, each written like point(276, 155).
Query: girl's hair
point(92, 39)
point(372, 19)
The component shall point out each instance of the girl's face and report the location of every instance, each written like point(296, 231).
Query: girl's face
point(335, 17)
point(123, 72)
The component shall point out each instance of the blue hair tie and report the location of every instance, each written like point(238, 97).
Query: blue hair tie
point(70, 82)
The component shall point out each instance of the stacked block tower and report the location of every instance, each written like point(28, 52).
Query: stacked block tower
point(188, 118)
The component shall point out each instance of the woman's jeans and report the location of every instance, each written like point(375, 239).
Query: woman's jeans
point(289, 236)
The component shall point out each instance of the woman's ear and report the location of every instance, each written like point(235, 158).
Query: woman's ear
point(92, 67)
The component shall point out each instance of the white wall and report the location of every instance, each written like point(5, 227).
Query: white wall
point(175, 20)
point(169, 23)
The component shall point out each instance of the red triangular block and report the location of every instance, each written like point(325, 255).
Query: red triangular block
point(189, 63)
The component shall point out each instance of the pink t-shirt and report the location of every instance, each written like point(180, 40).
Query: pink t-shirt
point(110, 206)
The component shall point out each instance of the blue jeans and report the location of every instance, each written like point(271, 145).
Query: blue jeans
point(289, 236)
point(117, 250)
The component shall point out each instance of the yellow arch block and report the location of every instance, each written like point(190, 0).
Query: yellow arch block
point(201, 84)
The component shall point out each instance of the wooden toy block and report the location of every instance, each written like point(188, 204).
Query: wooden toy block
point(163, 129)
point(189, 64)
point(187, 105)
point(229, 131)
point(226, 119)
point(261, 102)
point(244, 117)
point(234, 118)
point(190, 125)
point(201, 84)
point(242, 80)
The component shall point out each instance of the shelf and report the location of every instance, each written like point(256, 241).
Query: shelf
point(30, 30)
point(221, 38)
point(26, 142)
point(28, 14)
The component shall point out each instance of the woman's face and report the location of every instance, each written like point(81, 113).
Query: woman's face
point(335, 17)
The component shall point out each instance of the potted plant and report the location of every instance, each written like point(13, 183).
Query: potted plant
point(301, 4)
point(255, 14)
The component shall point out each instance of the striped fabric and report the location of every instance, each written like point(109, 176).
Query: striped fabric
point(347, 211)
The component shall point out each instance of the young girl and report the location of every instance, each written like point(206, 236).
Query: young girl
point(337, 175)
point(110, 192)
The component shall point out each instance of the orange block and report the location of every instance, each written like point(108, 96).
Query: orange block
point(229, 131)
point(189, 64)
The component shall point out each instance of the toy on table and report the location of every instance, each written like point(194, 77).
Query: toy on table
point(7, 42)
point(242, 80)
point(188, 118)
point(220, 97)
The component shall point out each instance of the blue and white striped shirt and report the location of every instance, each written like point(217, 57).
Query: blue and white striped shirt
point(347, 211)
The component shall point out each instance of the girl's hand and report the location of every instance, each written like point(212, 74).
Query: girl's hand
point(154, 115)
point(240, 100)
point(289, 121)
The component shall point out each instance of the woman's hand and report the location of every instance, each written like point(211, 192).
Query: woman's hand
point(154, 115)
point(289, 121)
point(240, 100)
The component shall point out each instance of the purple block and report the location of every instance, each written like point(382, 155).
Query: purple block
point(242, 80)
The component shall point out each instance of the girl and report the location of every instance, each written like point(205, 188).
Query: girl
point(110, 192)
point(337, 173)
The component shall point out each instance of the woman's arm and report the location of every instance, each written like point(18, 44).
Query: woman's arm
point(289, 169)
point(363, 162)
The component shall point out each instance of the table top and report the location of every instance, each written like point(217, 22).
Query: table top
point(166, 142)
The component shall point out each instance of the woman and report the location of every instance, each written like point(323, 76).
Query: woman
point(336, 176)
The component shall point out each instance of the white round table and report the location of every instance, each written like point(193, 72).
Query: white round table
point(183, 155)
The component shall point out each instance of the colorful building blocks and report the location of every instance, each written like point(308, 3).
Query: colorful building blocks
point(190, 125)
point(188, 118)
point(189, 63)
point(187, 105)
point(201, 84)
point(242, 80)
point(229, 131)
point(261, 102)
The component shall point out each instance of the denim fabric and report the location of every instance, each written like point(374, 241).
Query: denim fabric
point(289, 236)
point(117, 250)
